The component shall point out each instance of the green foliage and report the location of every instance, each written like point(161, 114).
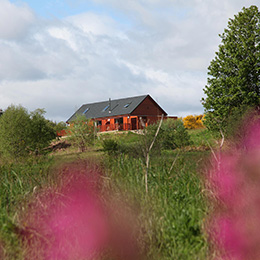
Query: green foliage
point(19, 181)
point(41, 132)
point(234, 72)
point(57, 127)
point(173, 134)
point(14, 132)
point(146, 140)
point(82, 133)
point(60, 126)
point(172, 212)
point(22, 133)
point(239, 121)
point(203, 138)
point(110, 146)
point(123, 143)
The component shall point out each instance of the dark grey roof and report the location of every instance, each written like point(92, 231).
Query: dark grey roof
point(121, 106)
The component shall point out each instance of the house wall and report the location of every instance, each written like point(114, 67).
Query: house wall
point(114, 123)
point(153, 119)
point(148, 108)
point(149, 112)
point(129, 122)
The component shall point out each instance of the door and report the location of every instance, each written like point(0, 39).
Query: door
point(133, 123)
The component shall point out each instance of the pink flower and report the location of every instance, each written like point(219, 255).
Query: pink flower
point(235, 182)
point(73, 222)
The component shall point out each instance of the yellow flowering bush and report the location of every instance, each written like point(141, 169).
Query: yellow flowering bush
point(193, 122)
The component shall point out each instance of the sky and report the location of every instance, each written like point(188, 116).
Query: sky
point(61, 54)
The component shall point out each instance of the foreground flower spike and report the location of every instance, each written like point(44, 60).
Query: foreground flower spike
point(72, 221)
point(234, 226)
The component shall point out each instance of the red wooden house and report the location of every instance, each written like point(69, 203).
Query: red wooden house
point(122, 114)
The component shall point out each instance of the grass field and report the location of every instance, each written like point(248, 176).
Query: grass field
point(171, 214)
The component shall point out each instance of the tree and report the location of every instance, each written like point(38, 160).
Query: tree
point(41, 131)
point(22, 133)
point(82, 133)
point(174, 134)
point(14, 135)
point(59, 127)
point(233, 85)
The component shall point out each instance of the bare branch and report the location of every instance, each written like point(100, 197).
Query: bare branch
point(222, 140)
point(147, 153)
point(157, 132)
point(174, 161)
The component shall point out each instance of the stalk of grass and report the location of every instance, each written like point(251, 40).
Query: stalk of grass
point(17, 181)
point(172, 212)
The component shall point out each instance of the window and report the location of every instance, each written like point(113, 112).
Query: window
point(105, 108)
point(99, 122)
point(120, 121)
point(127, 105)
point(86, 110)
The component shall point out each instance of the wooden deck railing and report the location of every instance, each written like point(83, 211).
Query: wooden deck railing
point(113, 127)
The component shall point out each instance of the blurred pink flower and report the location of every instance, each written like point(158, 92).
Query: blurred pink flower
point(73, 222)
point(235, 182)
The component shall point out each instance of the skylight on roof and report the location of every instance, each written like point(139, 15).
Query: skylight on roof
point(105, 108)
point(86, 110)
point(127, 105)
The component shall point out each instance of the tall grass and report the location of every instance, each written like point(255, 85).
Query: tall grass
point(203, 138)
point(173, 210)
point(171, 214)
point(17, 182)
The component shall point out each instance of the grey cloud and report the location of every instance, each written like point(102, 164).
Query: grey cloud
point(37, 57)
point(15, 21)
point(164, 51)
point(15, 65)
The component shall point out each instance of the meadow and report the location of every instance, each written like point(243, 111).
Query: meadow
point(171, 216)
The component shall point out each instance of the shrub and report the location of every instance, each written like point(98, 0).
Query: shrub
point(60, 128)
point(110, 146)
point(22, 133)
point(193, 122)
point(174, 134)
point(82, 133)
point(42, 132)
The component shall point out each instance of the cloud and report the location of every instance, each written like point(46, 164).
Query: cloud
point(15, 21)
point(95, 24)
point(129, 48)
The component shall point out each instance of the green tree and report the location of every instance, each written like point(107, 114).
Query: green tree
point(58, 127)
point(22, 133)
point(14, 132)
point(82, 133)
point(41, 131)
point(174, 134)
point(234, 73)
